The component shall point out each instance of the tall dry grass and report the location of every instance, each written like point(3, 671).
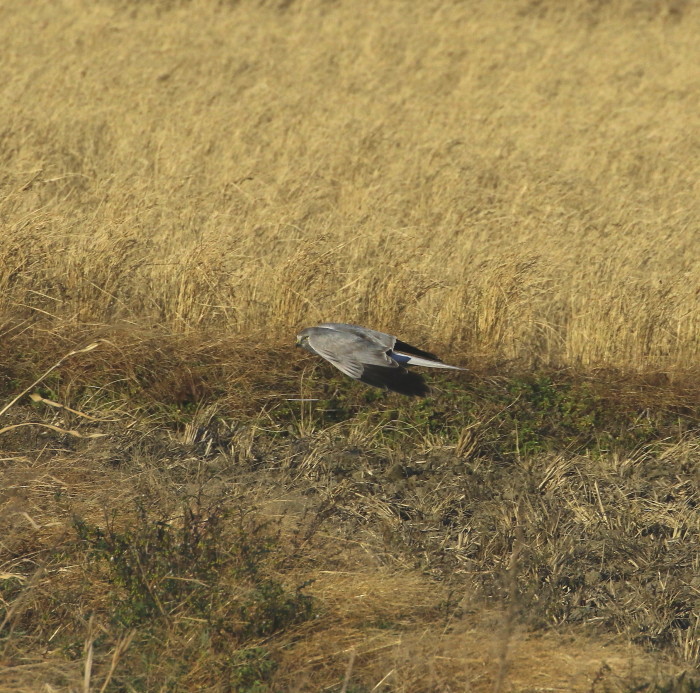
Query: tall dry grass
point(512, 180)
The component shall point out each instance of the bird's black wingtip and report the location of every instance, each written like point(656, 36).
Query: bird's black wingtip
point(414, 351)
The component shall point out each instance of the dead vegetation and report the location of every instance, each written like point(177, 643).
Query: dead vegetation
point(515, 181)
point(508, 531)
point(512, 184)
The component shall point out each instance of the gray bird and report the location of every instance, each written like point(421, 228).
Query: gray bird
point(372, 357)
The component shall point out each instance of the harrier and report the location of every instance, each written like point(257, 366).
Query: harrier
point(372, 357)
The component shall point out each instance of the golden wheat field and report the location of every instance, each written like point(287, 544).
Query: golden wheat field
point(512, 183)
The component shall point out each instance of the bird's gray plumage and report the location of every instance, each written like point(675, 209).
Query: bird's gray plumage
point(375, 358)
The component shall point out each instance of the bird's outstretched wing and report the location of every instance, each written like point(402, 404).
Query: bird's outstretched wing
point(363, 358)
point(373, 357)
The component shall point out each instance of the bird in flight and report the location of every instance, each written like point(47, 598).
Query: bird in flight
point(372, 357)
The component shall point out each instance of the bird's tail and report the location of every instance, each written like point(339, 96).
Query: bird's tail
point(407, 360)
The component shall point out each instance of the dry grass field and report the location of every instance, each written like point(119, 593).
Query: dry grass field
point(514, 184)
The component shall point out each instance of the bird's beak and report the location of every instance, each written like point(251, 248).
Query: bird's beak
point(298, 342)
